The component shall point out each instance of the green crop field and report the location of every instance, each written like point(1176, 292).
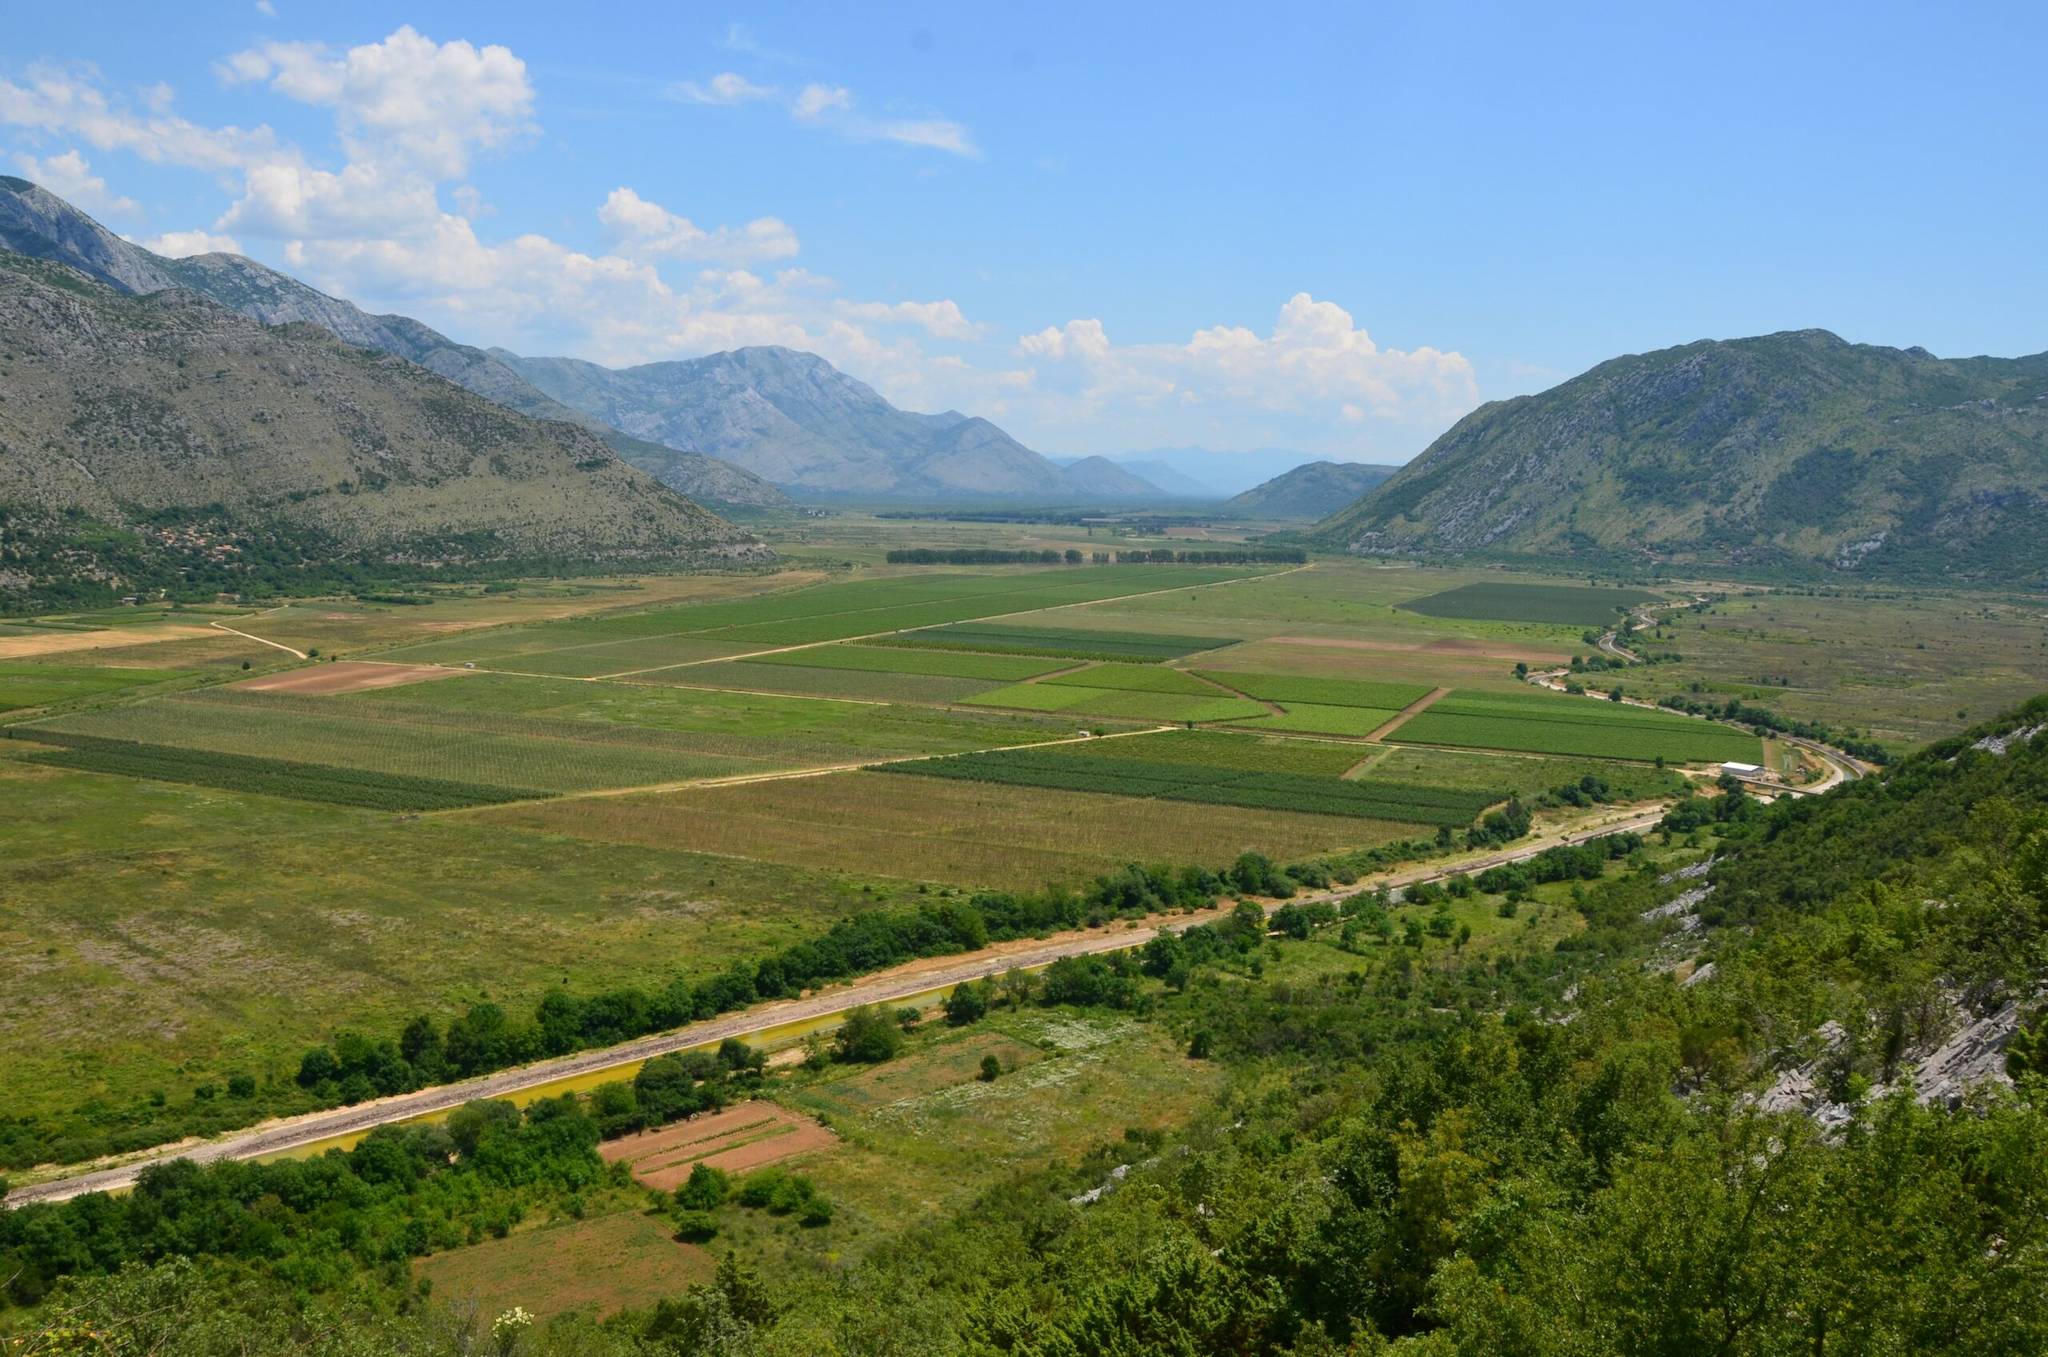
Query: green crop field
point(1221, 749)
point(1307, 718)
point(1569, 605)
point(1211, 783)
point(1288, 689)
point(856, 685)
point(819, 613)
point(39, 685)
point(1137, 678)
point(1069, 643)
point(1575, 726)
point(937, 663)
point(792, 731)
point(277, 777)
point(1124, 703)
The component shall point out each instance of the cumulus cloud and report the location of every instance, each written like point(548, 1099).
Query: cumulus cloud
point(1316, 359)
point(649, 230)
point(70, 177)
point(727, 87)
point(183, 244)
point(428, 105)
point(815, 101)
point(940, 319)
point(63, 101)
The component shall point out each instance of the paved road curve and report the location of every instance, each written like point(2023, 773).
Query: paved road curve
point(293, 1133)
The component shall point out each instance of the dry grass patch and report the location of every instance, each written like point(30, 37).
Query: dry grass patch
point(927, 1071)
point(605, 1264)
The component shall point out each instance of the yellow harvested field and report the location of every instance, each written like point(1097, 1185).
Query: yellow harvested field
point(111, 638)
point(332, 680)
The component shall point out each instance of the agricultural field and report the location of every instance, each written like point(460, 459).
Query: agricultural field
point(1124, 703)
point(1308, 718)
point(1563, 725)
point(941, 664)
point(747, 1136)
point(963, 833)
point(1564, 605)
point(1136, 678)
point(1076, 643)
point(1213, 784)
point(1290, 689)
point(642, 641)
point(160, 936)
point(43, 685)
point(1220, 749)
point(490, 737)
point(206, 880)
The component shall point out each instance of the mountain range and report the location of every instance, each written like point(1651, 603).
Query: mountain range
point(1312, 491)
point(793, 419)
point(164, 426)
point(37, 223)
point(1797, 452)
point(733, 429)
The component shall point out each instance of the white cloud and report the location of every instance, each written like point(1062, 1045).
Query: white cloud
point(266, 9)
point(936, 133)
point(816, 101)
point(425, 104)
point(832, 107)
point(940, 319)
point(1316, 360)
point(727, 87)
point(70, 177)
point(183, 244)
point(68, 102)
point(649, 230)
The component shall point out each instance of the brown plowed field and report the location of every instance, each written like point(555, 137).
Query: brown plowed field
point(737, 1139)
point(346, 676)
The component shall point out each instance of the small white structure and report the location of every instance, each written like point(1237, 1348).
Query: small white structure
point(1743, 769)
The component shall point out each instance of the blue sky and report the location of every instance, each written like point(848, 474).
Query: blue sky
point(1104, 226)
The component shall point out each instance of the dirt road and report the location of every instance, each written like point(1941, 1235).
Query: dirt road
point(883, 987)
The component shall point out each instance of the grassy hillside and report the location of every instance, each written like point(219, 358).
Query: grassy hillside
point(139, 429)
point(1795, 452)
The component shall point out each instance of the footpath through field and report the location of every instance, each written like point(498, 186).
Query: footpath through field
point(917, 977)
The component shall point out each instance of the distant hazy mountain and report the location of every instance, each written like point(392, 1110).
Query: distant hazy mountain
point(1100, 478)
point(796, 421)
point(1313, 491)
point(1791, 451)
point(1169, 478)
point(1222, 474)
point(38, 223)
point(135, 426)
point(1161, 476)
